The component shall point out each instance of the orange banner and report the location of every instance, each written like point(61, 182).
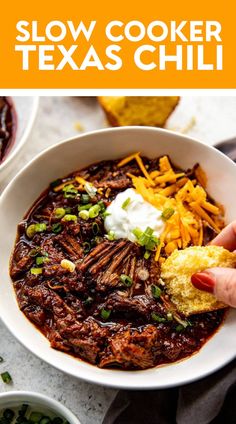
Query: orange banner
point(126, 44)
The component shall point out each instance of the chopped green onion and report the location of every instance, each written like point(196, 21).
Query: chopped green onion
point(8, 414)
point(35, 228)
point(152, 243)
point(93, 242)
point(156, 291)
point(36, 271)
point(41, 259)
point(57, 420)
point(70, 191)
point(146, 238)
point(30, 231)
point(167, 213)
point(56, 228)
point(70, 194)
point(55, 183)
point(84, 207)
point(23, 409)
point(34, 252)
point(68, 265)
point(186, 323)
point(111, 235)
point(179, 328)
point(1, 359)
point(96, 228)
point(85, 198)
point(86, 247)
point(35, 416)
point(169, 316)
point(98, 239)
point(126, 203)
point(147, 254)
point(105, 313)
point(68, 186)
point(126, 280)
point(21, 420)
point(90, 189)
point(40, 227)
point(149, 231)
point(88, 301)
point(94, 211)
point(68, 210)
point(102, 206)
point(84, 215)
point(68, 218)
point(45, 420)
point(105, 214)
point(137, 232)
point(59, 213)
point(157, 318)
point(6, 377)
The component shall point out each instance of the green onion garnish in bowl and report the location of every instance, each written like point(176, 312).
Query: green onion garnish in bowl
point(33, 408)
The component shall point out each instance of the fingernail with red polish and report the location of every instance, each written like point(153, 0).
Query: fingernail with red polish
point(203, 281)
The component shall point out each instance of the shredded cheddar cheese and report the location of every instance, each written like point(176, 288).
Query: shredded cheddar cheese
point(200, 240)
point(201, 176)
point(143, 169)
point(166, 189)
point(164, 164)
point(211, 208)
point(75, 180)
point(203, 214)
point(80, 180)
point(62, 185)
point(128, 159)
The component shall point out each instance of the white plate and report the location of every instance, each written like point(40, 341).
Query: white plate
point(77, 153)
point(26, 110)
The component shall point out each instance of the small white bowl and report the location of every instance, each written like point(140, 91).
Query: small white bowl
point(38, 402)
point(76, 153)
point(26, 110)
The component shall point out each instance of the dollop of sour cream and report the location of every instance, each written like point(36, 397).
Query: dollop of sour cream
point(129, 211)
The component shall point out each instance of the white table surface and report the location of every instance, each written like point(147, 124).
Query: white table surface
point(214, 119)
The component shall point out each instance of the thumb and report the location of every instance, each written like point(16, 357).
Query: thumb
point(219, 281)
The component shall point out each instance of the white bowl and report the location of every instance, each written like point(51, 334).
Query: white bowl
point(38, 402)
point(26, 110)
point(76, 153)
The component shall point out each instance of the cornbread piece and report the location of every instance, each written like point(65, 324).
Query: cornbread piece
point(181, 264)
point(145, 110)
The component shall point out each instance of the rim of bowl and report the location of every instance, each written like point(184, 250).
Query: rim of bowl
point(46, 401)
point(12, 154)
point(107, 130)
point(90, 379)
